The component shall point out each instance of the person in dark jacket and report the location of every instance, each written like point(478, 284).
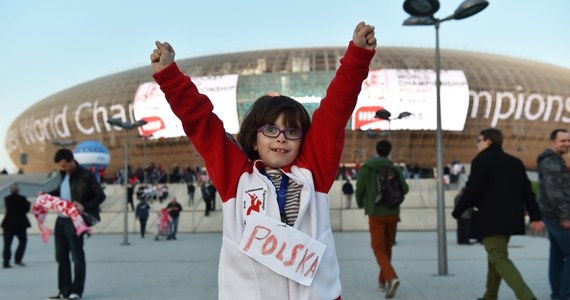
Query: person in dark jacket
point(141, 213)
point(79, 186)
point(499, 190)
point(554, 203)
point(174, 208)
point(15, 223)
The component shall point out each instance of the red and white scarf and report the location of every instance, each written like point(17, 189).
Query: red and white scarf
point(46, 202)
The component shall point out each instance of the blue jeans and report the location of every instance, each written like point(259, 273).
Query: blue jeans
point(173, 228)
point(559, 263)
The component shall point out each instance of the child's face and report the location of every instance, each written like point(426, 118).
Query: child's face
point(279, 151)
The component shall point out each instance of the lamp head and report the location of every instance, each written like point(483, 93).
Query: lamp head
point(421, 8)
point(404, 114)
point(140, 123)
point(115, 122)
point(419, 21)
point(64, 143)
point(383, 114)
point(469, 8)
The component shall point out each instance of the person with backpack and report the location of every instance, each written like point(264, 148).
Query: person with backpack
point(380, 189)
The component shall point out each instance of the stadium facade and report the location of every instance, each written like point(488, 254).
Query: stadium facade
point(525, 99)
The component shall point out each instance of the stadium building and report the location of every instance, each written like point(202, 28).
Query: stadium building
point(525, 99)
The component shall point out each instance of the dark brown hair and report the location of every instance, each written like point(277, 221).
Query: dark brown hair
point(265, 111)
point(493, 134)
point(383, 148)
point(555, 132)
point(63, 154)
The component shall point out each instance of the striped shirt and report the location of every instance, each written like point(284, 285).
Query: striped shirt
point(292, 199)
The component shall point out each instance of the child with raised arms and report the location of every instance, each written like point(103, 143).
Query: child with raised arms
point(277, 236)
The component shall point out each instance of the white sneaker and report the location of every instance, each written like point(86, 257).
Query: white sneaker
point(392, 287)
point(74, 296)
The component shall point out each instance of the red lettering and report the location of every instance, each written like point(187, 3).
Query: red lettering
point(296, 248)
point(279, 255)
point(254, 235)
point(313, 268)
point(304, 260)
point(270, 240)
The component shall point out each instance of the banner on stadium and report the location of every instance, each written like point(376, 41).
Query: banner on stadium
point(413, 91)
point(150, 104)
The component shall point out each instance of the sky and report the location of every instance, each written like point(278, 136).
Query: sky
point(50, 46)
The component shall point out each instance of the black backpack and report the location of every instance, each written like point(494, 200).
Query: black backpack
point(390, 190)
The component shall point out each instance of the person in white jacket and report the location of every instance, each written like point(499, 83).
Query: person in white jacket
point(277, 237)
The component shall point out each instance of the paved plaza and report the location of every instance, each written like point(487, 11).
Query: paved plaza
point(187, 268)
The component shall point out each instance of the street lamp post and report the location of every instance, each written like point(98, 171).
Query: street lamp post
point(421, 12)
point(145, 139)
point(126, 126)
point(368, 133)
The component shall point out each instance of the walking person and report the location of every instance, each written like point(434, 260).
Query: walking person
point(347, 192)
point(554, 201)
point(174, 208)
point(80, 187)
point(15, 224)
point(206, 189)
point(142, 213)
point(191, 189)
point(269, 180)
point(382, 220)
point(500, 193)
point(133, 180)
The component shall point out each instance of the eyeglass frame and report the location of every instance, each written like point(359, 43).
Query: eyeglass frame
point(284, 131)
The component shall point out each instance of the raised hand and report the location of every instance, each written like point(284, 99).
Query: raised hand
point(162, 56)
point(364, 36)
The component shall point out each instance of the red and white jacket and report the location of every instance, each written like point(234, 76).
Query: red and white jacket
point(236, 179)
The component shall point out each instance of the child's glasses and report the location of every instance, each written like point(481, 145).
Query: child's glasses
point(274, 131)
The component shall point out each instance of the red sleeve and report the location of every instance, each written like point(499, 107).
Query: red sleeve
point(224, 160)
point(323, 144)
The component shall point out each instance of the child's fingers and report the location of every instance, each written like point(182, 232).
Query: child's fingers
point(371, 38)
point(155, 56)
point(367, 30)
point(168, 47)
point(359, 27)
point(164, 47)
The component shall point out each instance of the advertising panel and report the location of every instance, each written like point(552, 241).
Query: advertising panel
point(150, 104)
point(413, 91)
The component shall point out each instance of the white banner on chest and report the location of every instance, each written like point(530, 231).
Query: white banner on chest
point(281, 248)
